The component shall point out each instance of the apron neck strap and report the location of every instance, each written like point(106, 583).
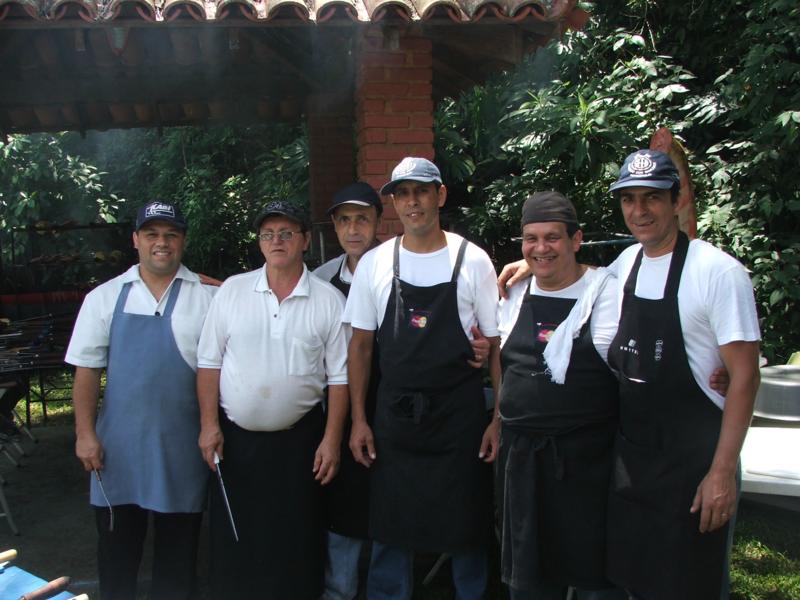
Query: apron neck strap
point(675, 268)
point(122, 298)
point(459, 259)
point(173, 297)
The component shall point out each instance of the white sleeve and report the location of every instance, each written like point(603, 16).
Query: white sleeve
point(508, 309)
point(88, 346)
point(361, 309)
point(731, 306)
point(486, 297)
point(336, 348)
point(605, 318)
point(213, 338)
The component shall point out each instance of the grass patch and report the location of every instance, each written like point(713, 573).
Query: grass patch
point(58, 392)
point(765, 562)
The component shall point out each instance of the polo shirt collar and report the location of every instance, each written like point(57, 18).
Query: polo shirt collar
point(302, 288)
point(132, 274)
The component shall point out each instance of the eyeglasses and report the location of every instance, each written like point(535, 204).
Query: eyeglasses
point(283, 236)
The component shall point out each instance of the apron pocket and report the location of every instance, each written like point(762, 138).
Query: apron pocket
point(304, 358)
point(644, 475)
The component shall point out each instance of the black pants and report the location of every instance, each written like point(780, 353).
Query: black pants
point(119, 552)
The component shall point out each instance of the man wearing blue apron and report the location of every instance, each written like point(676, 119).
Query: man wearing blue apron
point(143, 328)
point(558, 411)
point(687, 308)
point(420, 295)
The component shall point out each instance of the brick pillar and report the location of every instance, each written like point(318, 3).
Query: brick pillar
point(394, 107)
point(331, 149)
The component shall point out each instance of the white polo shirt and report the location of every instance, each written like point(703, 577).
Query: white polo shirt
point(88, 346)
point(275, 358)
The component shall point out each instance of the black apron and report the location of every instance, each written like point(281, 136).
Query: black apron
point(668, 434)
point(347, 496)
point(555, 456)
point(429, 490)
point(277, 506)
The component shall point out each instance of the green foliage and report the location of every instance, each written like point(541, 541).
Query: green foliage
point(723, 78)
point(219, 176)
point(39, 181)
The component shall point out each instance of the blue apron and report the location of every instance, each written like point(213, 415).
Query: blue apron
point(149, 421)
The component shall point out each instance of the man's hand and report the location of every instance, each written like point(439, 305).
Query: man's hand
point(326, 461)
point(511, 274)
point(719, 381)
point(362, 444)
point(210, 441)
point(715, 499)
point(90, 451)
point(490, 444)
point(480, 348)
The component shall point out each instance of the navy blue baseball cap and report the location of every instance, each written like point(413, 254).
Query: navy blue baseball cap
point(284, 208)
point(647, 168)
point(359, 194)
point(161, 211)
point(412, 168)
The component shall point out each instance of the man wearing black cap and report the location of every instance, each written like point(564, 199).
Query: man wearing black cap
point(421, 296)
point(356, 213)
point(687, 308)
point(143, 328)
point(272, 341)
point(558, 409)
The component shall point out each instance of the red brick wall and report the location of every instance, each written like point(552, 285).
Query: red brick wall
point(331, 150)
point(394, 108)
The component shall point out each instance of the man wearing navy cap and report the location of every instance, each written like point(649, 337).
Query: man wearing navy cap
point(143, 327)
point(421, 296)
point(273, 340)
point(356, 213)
point(687, 308)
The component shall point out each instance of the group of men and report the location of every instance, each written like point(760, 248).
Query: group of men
point(615, 459)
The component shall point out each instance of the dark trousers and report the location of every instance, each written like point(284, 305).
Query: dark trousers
point(119, 552)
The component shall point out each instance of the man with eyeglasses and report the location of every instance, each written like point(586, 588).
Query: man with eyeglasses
point(421, 295)
point(272, 341)
point(143, 327)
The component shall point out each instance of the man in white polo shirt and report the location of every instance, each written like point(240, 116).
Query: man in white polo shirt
point(143, 328)
point(272, 341)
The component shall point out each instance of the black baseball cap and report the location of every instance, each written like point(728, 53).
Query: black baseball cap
point(359, 194)
point(161, 211)
point(545, 207)
point(647, 168)
point(284, 208)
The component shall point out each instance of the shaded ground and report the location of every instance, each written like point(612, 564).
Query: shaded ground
point(48, 496)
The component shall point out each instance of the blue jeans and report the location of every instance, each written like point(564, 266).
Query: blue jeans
point(341, 567)
point(391, 574)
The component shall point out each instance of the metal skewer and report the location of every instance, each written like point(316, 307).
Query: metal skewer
point(225, 497)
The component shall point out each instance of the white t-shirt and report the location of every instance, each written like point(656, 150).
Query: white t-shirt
point(603, 324)
point(477, 283)
point(327, 270)
point(88, 346)
point(715, 303)
point(275, 358)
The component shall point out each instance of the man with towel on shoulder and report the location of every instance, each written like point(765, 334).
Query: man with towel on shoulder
point(558, 413)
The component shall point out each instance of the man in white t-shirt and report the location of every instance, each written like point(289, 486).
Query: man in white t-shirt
point(142, 327)
point(272, 341)
point(687, 308)
point(558, 410)
point(421, 295)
